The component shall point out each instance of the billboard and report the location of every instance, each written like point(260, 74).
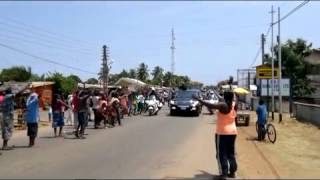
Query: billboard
point(266, 72)
point(285, 85)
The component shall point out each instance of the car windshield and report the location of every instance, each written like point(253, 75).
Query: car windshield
point(185, 94)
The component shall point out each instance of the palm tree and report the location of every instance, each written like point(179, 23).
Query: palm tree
point(157, 74)
point(143, 73)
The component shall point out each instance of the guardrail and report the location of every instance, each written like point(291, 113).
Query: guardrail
point(307, 112)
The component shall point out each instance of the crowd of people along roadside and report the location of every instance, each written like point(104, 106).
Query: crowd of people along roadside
point(75, 111)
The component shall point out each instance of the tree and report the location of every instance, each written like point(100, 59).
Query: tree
point(62, 85)
point(294, 66)
point(58, 80)
point(75, 78)
point(168, 79)
point(157, 74)
point(16, 73)
point(132, 73)
point(143, 73)
point(36, 77)
point(123, 73)
point(92, 81)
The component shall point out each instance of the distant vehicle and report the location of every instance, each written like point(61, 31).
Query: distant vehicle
point(183, 102)
point(213, 99)
point(153, 105)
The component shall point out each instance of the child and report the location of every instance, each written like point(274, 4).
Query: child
point(50, 113)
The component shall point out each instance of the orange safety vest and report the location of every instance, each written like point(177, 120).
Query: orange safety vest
point(226, 123)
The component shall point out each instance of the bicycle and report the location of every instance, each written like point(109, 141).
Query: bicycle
point(270, 130)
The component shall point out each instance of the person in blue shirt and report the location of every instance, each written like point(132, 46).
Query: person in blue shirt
point(32, 117)
point(262, 119)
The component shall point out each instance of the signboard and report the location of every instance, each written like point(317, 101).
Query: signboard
point(266, 73)
point(285, 87)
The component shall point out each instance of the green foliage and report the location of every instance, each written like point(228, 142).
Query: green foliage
point(132, 73)
point(16, 73)
point(143, 73)
point(92, 81)
point(123, 73)
point(157, 74)
point(36, 77)
point(176, 80)
point(75, 78)
point(294, 66)
point(63, 85)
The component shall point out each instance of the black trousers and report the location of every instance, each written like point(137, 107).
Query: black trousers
point(97, 118)
point(261, 132)
point(225, 149)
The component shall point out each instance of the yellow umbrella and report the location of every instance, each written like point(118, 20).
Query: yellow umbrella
point(241, 91)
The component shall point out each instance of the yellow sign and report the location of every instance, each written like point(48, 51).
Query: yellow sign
point(266, 72)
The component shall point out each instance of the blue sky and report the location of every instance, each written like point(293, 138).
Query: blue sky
point(213, 39)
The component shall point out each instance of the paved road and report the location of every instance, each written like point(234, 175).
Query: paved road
point(144, 147)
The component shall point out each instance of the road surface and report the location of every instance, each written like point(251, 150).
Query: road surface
point(144, 147)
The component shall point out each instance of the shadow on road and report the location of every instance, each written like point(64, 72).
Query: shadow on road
point(201, 175)
point(48, 137)
point(18, 147)
point(208, 114)
point(205, 175)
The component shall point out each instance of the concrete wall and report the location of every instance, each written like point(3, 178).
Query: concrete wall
point(307, 112)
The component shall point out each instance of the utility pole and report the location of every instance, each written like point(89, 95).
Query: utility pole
point(272, 57)
point(262, 47)
point(105, 68)
point(172, 52)
point(280, 68)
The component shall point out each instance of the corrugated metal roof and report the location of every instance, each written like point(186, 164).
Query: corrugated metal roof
point(41, 83)
point(16, 87)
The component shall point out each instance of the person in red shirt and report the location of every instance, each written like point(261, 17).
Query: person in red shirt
point(75, 105)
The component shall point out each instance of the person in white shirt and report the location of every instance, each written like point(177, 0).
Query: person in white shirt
point(69, 112)
point(95, 107)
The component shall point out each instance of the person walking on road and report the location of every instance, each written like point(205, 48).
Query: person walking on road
point(57, 116)
point(262, 119)
point(32, 117)
point(7, 118)
point(83, 114)
point(1, 100)
point(69, 113)
point(226, 133)
point(75, 105)
point(95, 108)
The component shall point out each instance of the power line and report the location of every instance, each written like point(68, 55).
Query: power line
point(42, 30)
point(292, 11)
point(37, 38)
point(31, 33)
point(256, 57)
point(40, 44)
point(45, 59)
point(259, 49)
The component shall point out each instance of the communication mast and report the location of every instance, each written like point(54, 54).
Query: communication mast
point(172, 52)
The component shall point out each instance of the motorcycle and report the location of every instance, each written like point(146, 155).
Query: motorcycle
point(212, 100)
point(153, 106)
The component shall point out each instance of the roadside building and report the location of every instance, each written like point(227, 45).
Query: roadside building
point(313, 73)
point(44, 89)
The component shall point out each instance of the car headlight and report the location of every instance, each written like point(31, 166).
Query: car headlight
point(194, 103)
point(172, 102)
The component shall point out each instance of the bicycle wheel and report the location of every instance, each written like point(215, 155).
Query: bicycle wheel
point(271, 132)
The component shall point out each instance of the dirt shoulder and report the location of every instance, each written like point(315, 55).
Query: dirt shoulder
point(294, 155)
